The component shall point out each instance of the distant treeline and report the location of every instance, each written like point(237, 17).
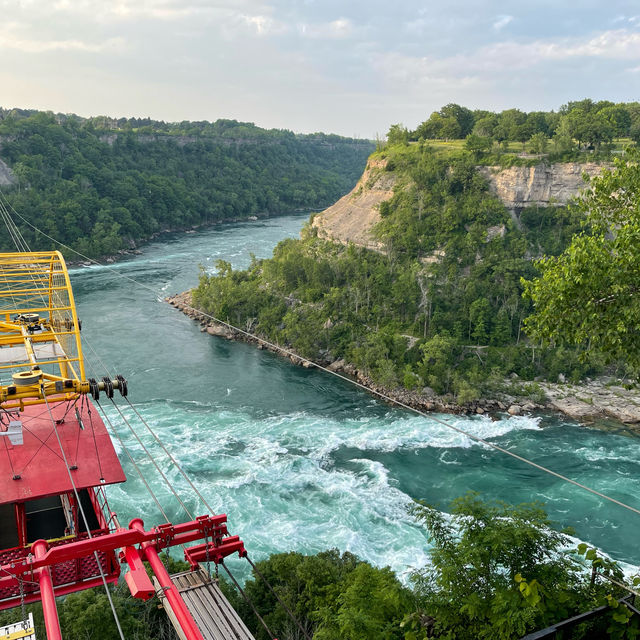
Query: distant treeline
point(101, 185)
point(575, 125)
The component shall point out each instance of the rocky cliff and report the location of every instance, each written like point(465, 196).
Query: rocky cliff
point(7, 176)
point(353, 217)
point(541, 185)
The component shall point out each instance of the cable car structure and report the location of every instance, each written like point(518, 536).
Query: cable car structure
point(58, 534)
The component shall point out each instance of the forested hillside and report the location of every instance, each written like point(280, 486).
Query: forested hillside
point(439, 306)
point(101, 185)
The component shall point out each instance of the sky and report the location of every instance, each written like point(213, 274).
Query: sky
point(352, 67)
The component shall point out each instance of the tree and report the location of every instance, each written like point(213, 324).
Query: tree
point(538, 143)
point(589, 295)
point(619, 118)
point(477, 145)
point(331, 595)
point(463, 116)
point(430, 129)
point(511, 125)
point(397, 134)
point(497, 572)
point(486, 125)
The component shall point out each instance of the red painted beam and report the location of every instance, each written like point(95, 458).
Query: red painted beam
point(62, 590)
point(49, 609)
point(161, 537)
point(137, 579)
point(216, 552)
point(178, 606)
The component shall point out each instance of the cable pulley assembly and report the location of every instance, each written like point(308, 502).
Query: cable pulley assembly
point(122, 386)
point(108, 385)
point(93, 389)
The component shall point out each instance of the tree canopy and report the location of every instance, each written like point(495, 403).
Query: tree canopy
point(577, 125)
point(588, 295)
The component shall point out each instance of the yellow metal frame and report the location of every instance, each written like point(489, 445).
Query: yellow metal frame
point(38, 283)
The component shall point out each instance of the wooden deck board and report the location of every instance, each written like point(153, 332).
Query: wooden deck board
point(215, 617)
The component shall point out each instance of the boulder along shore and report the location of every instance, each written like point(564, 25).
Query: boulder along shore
point(586, 402)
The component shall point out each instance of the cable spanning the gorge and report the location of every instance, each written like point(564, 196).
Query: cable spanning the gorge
point(379, 394)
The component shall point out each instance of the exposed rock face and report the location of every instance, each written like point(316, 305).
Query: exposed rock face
point(353, 217)
point(7, 176)
point(541, 185)
point(594, 400)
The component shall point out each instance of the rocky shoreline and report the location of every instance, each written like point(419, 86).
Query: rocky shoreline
point(602, 399)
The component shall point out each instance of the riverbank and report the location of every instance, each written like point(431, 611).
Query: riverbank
point(586, 402)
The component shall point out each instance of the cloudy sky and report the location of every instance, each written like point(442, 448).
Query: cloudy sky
point(352, 66)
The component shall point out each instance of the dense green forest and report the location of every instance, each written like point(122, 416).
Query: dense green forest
point(101, 185)
point(497, 571)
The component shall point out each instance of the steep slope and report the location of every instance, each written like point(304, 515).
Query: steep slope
point(353, 217)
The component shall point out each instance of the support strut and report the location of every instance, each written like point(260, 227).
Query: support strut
point(183, 615)
point(49, 609)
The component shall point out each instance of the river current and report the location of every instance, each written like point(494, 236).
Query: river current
point(301, 460)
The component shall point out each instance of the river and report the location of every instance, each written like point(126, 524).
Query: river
point(301, 460)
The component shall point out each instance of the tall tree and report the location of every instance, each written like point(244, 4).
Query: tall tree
point(589, 295)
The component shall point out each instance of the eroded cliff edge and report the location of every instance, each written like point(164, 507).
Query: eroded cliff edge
point(354, 216)
point(541, 185)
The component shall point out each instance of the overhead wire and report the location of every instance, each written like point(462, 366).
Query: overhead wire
point(133, 462)
point(21, 245)
point(84, 516)
point(179, 467)
point(381, 395)
point(312, 363)
point(153, 460)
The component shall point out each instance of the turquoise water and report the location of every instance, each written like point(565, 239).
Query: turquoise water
point(301, 460)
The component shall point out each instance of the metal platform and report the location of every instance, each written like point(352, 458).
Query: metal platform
point(215, 617)
point(23, 630)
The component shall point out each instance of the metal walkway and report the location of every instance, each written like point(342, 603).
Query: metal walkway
point(215, 617)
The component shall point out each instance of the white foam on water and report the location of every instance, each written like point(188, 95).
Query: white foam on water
point(276, 479)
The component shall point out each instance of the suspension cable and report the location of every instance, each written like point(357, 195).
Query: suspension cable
point(152, 459)
point(170, 456)
point(381, 395)
point(133, 462)
point(326, 370)
point(21, 245)
point(84, 516)
point(248, 601)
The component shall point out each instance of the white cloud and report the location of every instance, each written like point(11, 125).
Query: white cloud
point(502, 22)
point(27, 45)
point(263, 25)
point(336, 30)
point(508, 56)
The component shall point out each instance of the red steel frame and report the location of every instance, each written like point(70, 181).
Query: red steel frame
point(137, 545)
